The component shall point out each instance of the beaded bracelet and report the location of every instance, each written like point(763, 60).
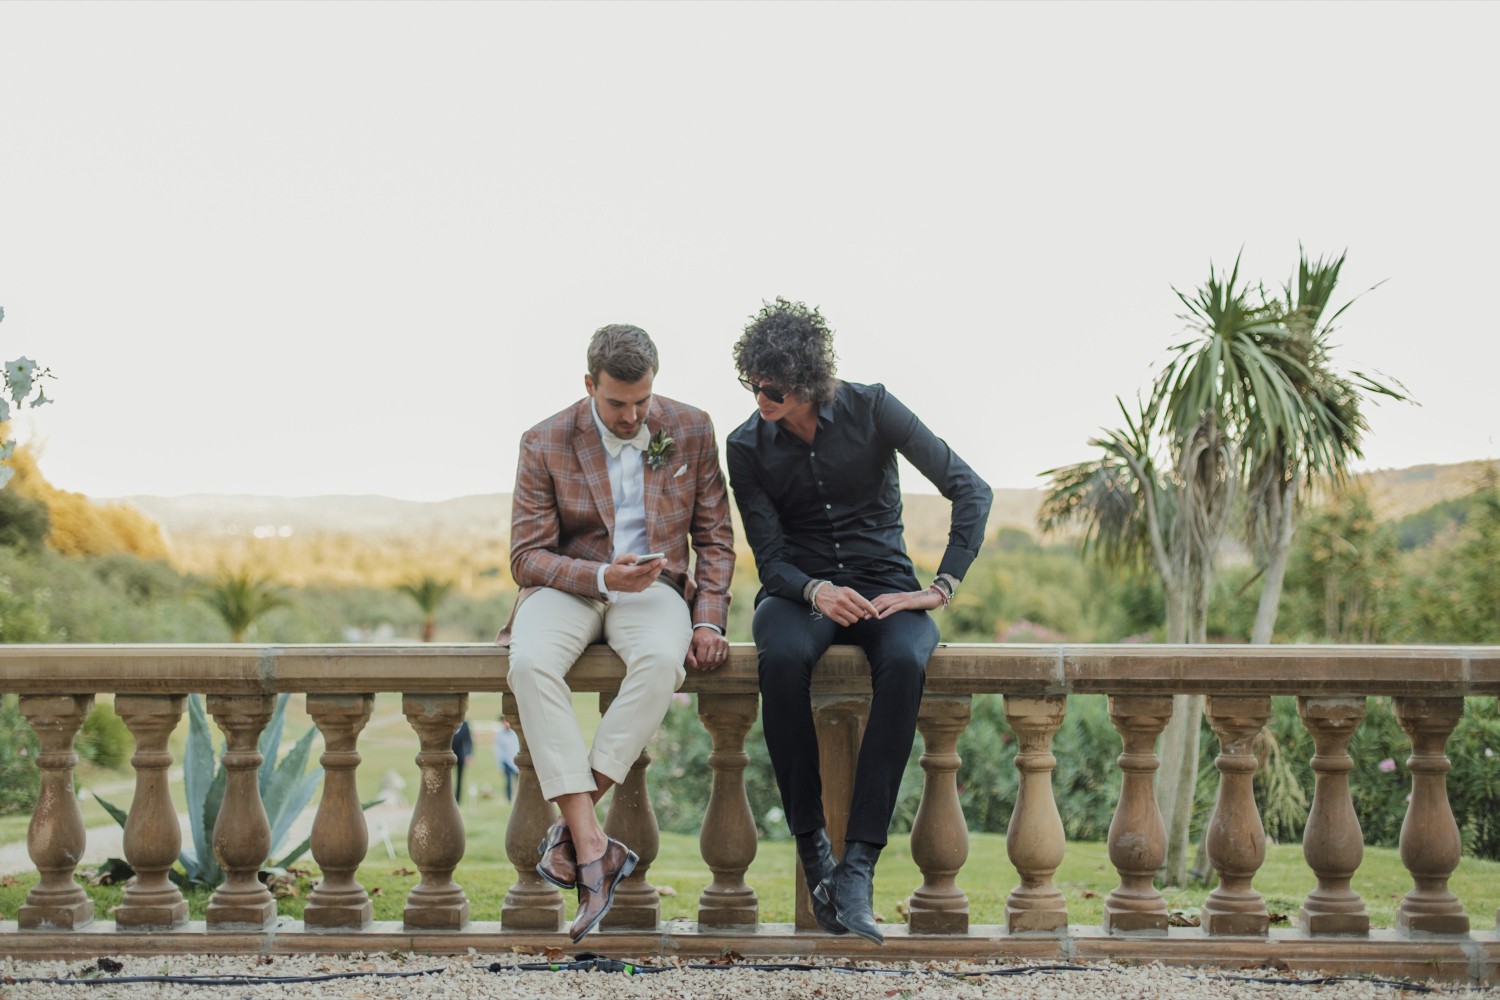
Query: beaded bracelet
point(947, 597)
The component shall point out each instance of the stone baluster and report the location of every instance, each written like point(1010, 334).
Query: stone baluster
point(1137, 838)
point(533, 903)
point(728, 839)
point(632, 821)
point(840, 721)
point(1236, 840)
point(242, 833)
point(56, 837)
point(1035, 840)
point(939, 834)
point(435, 839)
point(153, 838)
point(1332, 841)
point(1430, 846)
point(340, 836)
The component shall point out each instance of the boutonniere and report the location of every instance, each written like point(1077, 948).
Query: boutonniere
point(658, 450)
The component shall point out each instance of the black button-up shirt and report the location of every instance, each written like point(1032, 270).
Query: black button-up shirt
point(831, 510)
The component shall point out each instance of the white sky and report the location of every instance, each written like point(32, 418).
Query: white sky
point(359, 248)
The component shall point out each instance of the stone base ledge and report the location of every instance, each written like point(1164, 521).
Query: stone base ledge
point(1473, 959)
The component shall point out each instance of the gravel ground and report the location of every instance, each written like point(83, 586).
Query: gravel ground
point(471, 977)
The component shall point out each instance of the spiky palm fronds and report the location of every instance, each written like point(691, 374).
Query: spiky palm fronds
point(241, 599)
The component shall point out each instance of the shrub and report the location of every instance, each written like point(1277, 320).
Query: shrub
point(104, 738)
point(19, 779)
point(285, 787)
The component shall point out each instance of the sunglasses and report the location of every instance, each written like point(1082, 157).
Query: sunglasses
point(766, 389)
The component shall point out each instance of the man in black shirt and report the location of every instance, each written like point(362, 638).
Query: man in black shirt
point(814, 474)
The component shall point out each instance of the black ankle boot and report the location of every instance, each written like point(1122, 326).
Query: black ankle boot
point(851, 890)
point(816, 854)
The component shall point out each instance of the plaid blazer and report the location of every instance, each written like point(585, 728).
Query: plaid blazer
point(563, 513)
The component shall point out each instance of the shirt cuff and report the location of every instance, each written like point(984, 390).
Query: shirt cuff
point(708, 625)
point(604, 594)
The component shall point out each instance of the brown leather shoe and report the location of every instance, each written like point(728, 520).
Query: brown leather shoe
point(559, 865)
point(597, 880)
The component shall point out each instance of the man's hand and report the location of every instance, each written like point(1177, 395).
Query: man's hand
point(630, 577)
point(844, 605)
point(709, 649)
point(914, 600)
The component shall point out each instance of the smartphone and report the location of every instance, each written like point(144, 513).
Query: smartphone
point(649, 557)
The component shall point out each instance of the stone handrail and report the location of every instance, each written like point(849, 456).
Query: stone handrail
point(1432, 936)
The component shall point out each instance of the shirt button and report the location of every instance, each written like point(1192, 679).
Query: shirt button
point(812, 454)
point(835, 544)
point(820, 482)
point(841, 565)
point(828, 506)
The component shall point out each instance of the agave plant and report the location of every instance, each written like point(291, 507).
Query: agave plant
point(286, 786)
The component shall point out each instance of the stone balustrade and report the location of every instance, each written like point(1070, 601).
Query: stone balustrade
point(1432, 937)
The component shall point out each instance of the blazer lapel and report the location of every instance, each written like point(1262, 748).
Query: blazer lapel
point(653, 483)
point(591, 459)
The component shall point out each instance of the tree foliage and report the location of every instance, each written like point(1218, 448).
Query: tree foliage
point(77, 526)
point(241, 598)
point(429, 593)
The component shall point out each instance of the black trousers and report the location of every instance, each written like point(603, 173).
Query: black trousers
point(790, 641)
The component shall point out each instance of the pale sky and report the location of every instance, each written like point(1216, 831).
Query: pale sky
point(355, 248)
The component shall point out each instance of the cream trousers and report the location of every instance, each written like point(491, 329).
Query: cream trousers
point(650, 631)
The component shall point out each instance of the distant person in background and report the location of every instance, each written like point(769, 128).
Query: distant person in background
point(814, 474)
point(609, 492)
point(463, 748)
point(507, 745)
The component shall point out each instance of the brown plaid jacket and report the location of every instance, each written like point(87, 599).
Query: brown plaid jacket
point(563, 514)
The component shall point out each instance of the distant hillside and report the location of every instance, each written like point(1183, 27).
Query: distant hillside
point(1395, 493)
point(373, 539)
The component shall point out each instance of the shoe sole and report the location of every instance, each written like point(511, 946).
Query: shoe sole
point(631, 860)
point(554, 881)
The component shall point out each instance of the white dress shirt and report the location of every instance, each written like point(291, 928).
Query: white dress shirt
point(628, 487)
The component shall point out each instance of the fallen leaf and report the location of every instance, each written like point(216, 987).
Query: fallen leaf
point(553, 953)
point(110, 965)
point(1281, 918)
point(665, 891)
point(403, 871)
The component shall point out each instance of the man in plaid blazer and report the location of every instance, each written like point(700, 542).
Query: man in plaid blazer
point(608, 494)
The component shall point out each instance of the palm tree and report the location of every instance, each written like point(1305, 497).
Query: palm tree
point(428, 592)
point(241, 598)
point(1170, 511)
point(1284, 461)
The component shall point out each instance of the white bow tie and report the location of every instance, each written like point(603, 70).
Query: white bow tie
point(613, 444)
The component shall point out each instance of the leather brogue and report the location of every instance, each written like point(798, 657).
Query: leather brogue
point(597, 881)
point(559, 865)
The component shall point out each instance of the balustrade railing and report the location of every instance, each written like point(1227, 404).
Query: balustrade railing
point(1432, 935)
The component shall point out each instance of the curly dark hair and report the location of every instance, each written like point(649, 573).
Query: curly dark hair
point(790, 346)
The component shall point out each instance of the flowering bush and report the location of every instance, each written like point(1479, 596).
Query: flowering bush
point(23, 387)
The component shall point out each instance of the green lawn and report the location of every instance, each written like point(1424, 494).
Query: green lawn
point(1085, 877)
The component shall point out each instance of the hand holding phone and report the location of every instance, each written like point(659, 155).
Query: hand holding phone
point(649, 557)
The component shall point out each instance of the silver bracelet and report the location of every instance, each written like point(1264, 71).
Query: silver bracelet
point(812, 597)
